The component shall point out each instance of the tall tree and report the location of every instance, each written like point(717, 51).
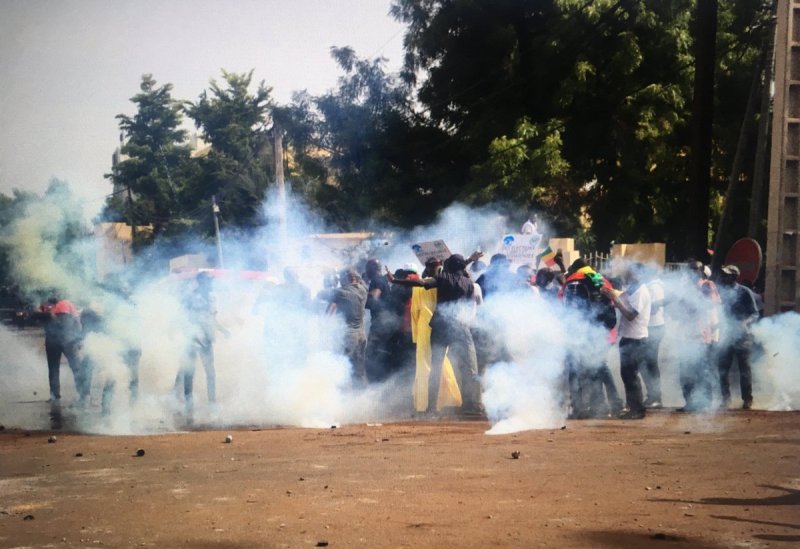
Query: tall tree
point(155, 155)
point(602, 85)
point(699, 195)
point(235, 122)
point(371, 157)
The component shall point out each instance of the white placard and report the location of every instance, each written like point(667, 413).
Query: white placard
point(520, 249)
point(433, 249)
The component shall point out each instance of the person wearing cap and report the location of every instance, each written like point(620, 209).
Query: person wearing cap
point(697, 309)
point(450, 330)
point(736, 339)
point(590, 385)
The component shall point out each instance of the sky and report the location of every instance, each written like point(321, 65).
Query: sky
point(68, 67)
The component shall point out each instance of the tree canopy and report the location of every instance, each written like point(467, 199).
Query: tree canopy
point(578, 110)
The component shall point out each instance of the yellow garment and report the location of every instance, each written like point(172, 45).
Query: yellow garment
point(423, 304)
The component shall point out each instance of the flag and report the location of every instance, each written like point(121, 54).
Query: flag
point(548, 256)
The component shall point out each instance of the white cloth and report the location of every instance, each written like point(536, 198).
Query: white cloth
point(656, 289)
point(639, 301)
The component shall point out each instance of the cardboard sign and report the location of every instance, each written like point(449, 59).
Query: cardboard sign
point(520, 249)
point(427, 250)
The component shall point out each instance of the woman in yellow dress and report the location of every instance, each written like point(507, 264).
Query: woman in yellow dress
point(423, 305)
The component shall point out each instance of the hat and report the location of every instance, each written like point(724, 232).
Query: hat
point(455, 262)
point(732, 270)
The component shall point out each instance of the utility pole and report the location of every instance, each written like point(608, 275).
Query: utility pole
point(723, 239)
point(279, 177)
point(215, 211)
point(281, 183)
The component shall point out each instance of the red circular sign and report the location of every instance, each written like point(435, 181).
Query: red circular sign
point(745, 254)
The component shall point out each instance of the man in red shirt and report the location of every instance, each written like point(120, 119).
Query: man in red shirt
point(62, 336)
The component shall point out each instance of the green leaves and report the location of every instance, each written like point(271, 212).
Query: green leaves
point(155, 153)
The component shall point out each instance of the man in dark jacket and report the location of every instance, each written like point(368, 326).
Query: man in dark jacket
point(736, 340)
point(450, 331)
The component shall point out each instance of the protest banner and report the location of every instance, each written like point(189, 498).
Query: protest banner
point(520, 249)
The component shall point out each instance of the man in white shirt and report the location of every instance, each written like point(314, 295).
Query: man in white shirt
point(634, 304)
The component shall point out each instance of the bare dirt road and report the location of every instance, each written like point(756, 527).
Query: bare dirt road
point(669, 481)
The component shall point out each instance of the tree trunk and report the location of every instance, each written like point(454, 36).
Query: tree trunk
point(705, 33)
point(761, 169)
point(722, 239)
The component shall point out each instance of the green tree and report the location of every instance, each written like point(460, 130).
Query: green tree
point(362, 153)
point(11, 208)
point(601, 86)
point(613, 78)
point(152, 174)
point(237, 170)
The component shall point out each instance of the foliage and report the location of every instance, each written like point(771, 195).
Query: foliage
point(156, 157)
point(11, 208)
point(579, 110)
point(236, 170)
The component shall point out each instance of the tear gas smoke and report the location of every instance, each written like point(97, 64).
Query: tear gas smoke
point(281, 362)
point(777, 368)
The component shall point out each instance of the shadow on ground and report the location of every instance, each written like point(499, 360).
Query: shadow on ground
point(635, 540)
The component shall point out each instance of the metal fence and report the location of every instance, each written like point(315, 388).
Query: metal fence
point(601, 262)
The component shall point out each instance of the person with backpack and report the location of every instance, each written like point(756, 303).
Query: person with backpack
point(587, 370)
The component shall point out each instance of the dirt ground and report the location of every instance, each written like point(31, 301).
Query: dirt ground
point(671, 480)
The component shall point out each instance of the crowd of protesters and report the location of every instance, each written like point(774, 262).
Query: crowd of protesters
point(421, 327)
point(452, 351)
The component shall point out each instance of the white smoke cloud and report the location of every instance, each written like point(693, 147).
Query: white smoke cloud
point(777, 364)
point(526, 393)
point(283, 364)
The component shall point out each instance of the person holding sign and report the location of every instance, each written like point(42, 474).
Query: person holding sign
point(450, 330)
point(423, 305)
